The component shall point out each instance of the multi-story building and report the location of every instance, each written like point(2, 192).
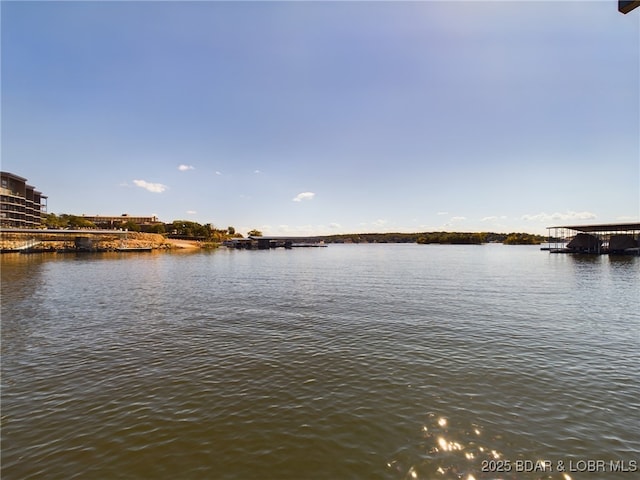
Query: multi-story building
point(21, 205)
point(105, 221)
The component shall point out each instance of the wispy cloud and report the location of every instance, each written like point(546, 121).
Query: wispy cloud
point(442, 213)
point(191, 212)
point(218, 172)
point(184, 168)
point(152, 187)
point(304, 196)
point(257, 172)
point(453, 221)
point(557, 216)
point(493, 218)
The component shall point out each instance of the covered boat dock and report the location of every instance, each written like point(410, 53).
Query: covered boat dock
point(606, 238)
point(268, 242)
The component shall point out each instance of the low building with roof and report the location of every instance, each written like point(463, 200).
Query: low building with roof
point(107, 221)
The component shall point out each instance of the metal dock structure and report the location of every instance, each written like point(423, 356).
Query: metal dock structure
point(268, 242)
point(605, 238)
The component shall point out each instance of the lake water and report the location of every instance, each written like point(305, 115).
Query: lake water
point(346, 362)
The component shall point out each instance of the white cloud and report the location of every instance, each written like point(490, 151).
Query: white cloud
point(557, 216)
point(152, 187)
point(334, 226)
point(184, 168)
point(452, 221)
point(304, 196)
point(257, 172)
point(442, 213)
point(380, 223)
point(191, 212)
point(493, 218)
point(218, 173)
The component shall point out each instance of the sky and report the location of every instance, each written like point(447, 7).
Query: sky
point(327, 117)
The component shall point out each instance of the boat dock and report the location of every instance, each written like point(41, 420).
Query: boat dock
point(607, 238)
point(268, 242)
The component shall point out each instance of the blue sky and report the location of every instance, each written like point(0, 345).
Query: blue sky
point(327, 117)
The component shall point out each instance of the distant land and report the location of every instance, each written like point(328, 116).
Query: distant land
point(186, 229)
point(452, 238)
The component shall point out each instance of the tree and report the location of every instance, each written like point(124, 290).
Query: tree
point(459, 238)
point(80, 222)
point(131, 226)
point(231, 230)
point(254, 233)
point(523, 239)
point(155, 228)
point(188, 228)
point(54, 221)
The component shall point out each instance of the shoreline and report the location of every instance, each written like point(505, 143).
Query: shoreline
point(134, 241)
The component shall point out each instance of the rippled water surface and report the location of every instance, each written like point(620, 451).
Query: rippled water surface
point(352, 361)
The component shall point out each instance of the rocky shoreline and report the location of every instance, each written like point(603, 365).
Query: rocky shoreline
point(133, 241)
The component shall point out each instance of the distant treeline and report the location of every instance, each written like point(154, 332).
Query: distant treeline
point(207, 232)
point(454, 238)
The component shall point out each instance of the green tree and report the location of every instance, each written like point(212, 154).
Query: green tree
point(459, 238)
point(65, 220)
point(131, 226)
point(523, 239)
point(254, 233)
point(155, 228)
point(54, 221)
point(187, 228)
point(74, 221)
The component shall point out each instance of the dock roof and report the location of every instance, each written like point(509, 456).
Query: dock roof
point(603, 227)
point(284, 238)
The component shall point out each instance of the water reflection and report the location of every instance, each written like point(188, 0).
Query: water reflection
point(21, 281)
point(626, 263)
